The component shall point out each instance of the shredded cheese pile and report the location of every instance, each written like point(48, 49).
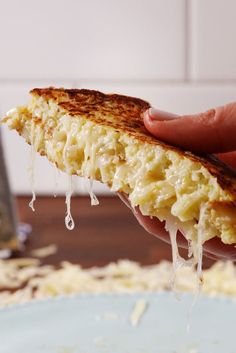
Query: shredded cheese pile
point(24, 279)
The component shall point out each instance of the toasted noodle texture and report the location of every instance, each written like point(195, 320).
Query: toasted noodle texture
point(102, 137)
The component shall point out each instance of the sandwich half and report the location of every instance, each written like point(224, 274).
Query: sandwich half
point(102, 137)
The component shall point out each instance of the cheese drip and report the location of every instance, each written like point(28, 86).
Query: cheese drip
point(69, 222)
point(200, 241)
point(195, 249)
point(56, 174)
point(31, 169)
point(93, 197)
point(177, 260)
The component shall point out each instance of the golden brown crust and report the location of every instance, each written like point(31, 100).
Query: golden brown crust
point(124, 114)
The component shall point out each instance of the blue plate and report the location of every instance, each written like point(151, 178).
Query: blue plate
point(101, 324)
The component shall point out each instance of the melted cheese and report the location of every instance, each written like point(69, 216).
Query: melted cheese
point(33, 199)
point(69, 222)
point(56, 174)
point(31, 169)
point(93, 198)
point(200, 241)
point(177, 260)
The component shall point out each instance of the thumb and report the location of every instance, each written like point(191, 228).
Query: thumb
point(211, 132)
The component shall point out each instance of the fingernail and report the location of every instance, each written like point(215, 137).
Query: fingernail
point(155, 114)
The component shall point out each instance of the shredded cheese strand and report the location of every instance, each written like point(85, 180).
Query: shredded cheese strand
point(69, 222)
point(138, 311)
point(200, 241)
point(56, 174)
point(31, 169)
point(177, 260)
point(93, 197)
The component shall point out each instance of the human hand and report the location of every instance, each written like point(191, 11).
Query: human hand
point(211, 132)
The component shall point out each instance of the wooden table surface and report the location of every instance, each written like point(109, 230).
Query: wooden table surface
point(102, 234)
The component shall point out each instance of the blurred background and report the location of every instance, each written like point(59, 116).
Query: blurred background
point(179, 55)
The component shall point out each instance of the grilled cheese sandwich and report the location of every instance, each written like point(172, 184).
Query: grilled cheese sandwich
point(102, 137)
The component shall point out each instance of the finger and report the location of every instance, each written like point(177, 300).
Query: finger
point(228, 158)
point(210, 256)
point(157, 228)
point(211, 132)
point(220, 250)
point(124, 198)
point(213, 248)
